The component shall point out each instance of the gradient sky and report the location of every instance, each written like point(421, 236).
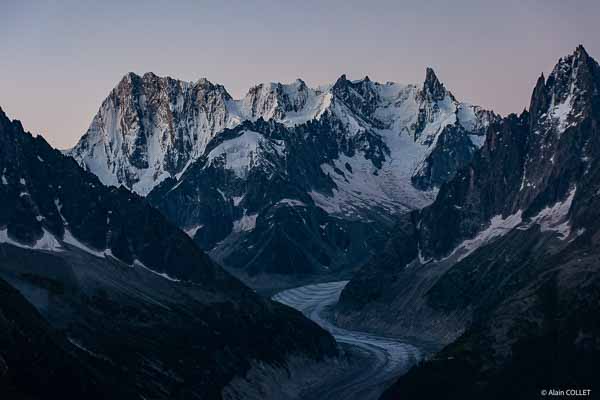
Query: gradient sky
point(60, 59)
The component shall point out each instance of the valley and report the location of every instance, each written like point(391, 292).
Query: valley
point(352, 241)
point(374, 360)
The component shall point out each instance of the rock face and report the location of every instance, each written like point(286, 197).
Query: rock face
point(503, 257)
point(149, 128)
point(124, 297)
point(262, 218)
point(288, 180)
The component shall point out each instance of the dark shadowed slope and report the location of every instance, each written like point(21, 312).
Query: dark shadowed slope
point(128, 289)
point(37, 362)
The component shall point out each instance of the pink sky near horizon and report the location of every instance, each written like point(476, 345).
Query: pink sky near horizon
point(62, 58)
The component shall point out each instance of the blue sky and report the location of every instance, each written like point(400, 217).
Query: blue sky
point(61, 58)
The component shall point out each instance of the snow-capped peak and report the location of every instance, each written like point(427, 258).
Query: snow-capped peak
point(565, 97)
point(274, 100)
point(150, 127)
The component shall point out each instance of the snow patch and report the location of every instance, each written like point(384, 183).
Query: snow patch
point(81, 347)
point(555, 218)
point(191, 232)
point(477, 140)
point(72, 240)
point(498, 227)
point(562, 111)
point(161, 274)
point(422, 259)
point(246, 223)
point(237, 200)
point(59, 206)
point(47, 242)
point(291, 202)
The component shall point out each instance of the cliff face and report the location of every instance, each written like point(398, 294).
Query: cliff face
point(503, 257)
point(149, 128)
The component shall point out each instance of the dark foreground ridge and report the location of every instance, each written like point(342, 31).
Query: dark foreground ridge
point(100, 289)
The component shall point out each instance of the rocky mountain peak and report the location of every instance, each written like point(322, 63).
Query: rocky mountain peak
point(205, 83)
point(150, 76)
point(362, 86)
point(568, 94)
point(361, 97)
point(9, 126)
point(129, 77)
point(300, 84)
point(581, 55)
point(432, 87)
point(539, 101)
point(3, 116)
point(342, 80)
point(149, 127)
point(266, 100)
point(275, 100)
point(528, 163)
point(207, 86)
point(341, 84)
point(434, 100)
point(576, 70)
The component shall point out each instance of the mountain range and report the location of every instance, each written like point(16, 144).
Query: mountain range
point(503, 266)
point(124, 260)
point(289, 182)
